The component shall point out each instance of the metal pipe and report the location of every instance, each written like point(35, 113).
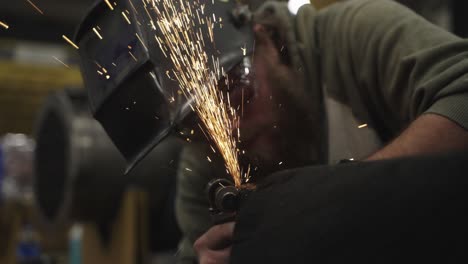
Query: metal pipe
point(79, 171)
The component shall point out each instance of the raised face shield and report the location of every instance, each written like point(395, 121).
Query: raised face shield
point(127, 74)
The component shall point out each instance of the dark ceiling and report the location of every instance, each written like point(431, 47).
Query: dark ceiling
point(60, 17)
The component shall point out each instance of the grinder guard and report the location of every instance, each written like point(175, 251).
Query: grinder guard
point(131, 96)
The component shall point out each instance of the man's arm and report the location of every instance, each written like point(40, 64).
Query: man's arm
point(430, 133)
point(191, 204)
point(400, 74)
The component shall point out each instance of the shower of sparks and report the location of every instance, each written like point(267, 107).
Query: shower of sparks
point(362, 126)
point(70, 42)
point(3, 24)
point(55, 58)
point(197, 73)
point(109, 4)
point(35, 7)
point(126, 18)
point(97, 33)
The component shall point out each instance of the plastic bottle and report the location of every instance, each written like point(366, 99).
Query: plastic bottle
point(75, 237)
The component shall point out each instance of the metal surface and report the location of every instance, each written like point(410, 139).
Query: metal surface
point(223, 196)
point(224, 199)
point(77, 166)
point(79, 172)
point(411, 209)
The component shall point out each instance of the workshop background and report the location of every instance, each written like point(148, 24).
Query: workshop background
point(62, 196)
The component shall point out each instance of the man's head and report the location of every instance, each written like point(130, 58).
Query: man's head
point(128, 73)
point(133, 102)
point(275, 119)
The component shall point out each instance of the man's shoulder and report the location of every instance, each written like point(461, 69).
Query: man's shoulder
point(361, 13)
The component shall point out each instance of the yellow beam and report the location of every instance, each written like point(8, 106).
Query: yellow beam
point(23, 88)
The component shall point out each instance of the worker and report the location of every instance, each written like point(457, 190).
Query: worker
point(360, 79)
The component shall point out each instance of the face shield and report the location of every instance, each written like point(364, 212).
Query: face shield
point(126, 75)
point(239, 82)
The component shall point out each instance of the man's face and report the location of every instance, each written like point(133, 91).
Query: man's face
point(270, 108)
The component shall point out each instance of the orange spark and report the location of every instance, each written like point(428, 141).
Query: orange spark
point(126, 18)
point(3, 24)
point(97, 33)
point(198, 74)
point(109, 4)
point(141, 41)
point(61, 62)
point(35, 7)
point(70, 42)
point(133, 56)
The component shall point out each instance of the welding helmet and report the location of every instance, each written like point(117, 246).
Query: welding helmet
point(126, 75)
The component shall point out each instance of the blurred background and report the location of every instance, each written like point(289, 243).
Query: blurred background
point(61, 197)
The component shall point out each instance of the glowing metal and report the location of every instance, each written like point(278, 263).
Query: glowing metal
point(3, 24)
point(97, 33)
point(126, 18)
point(109, 4)
point(197, 74)
point(131, 54)
point(141, 41)
point(244, 51)
point(61, 62)
point(35, 7)
point(70, 42)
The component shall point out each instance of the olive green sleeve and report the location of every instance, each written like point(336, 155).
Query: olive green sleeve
point(381, 58)
point(194, 173)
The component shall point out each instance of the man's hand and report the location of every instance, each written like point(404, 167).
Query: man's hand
point(215, 245)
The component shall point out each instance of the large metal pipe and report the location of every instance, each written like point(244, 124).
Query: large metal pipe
point(79, 171)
